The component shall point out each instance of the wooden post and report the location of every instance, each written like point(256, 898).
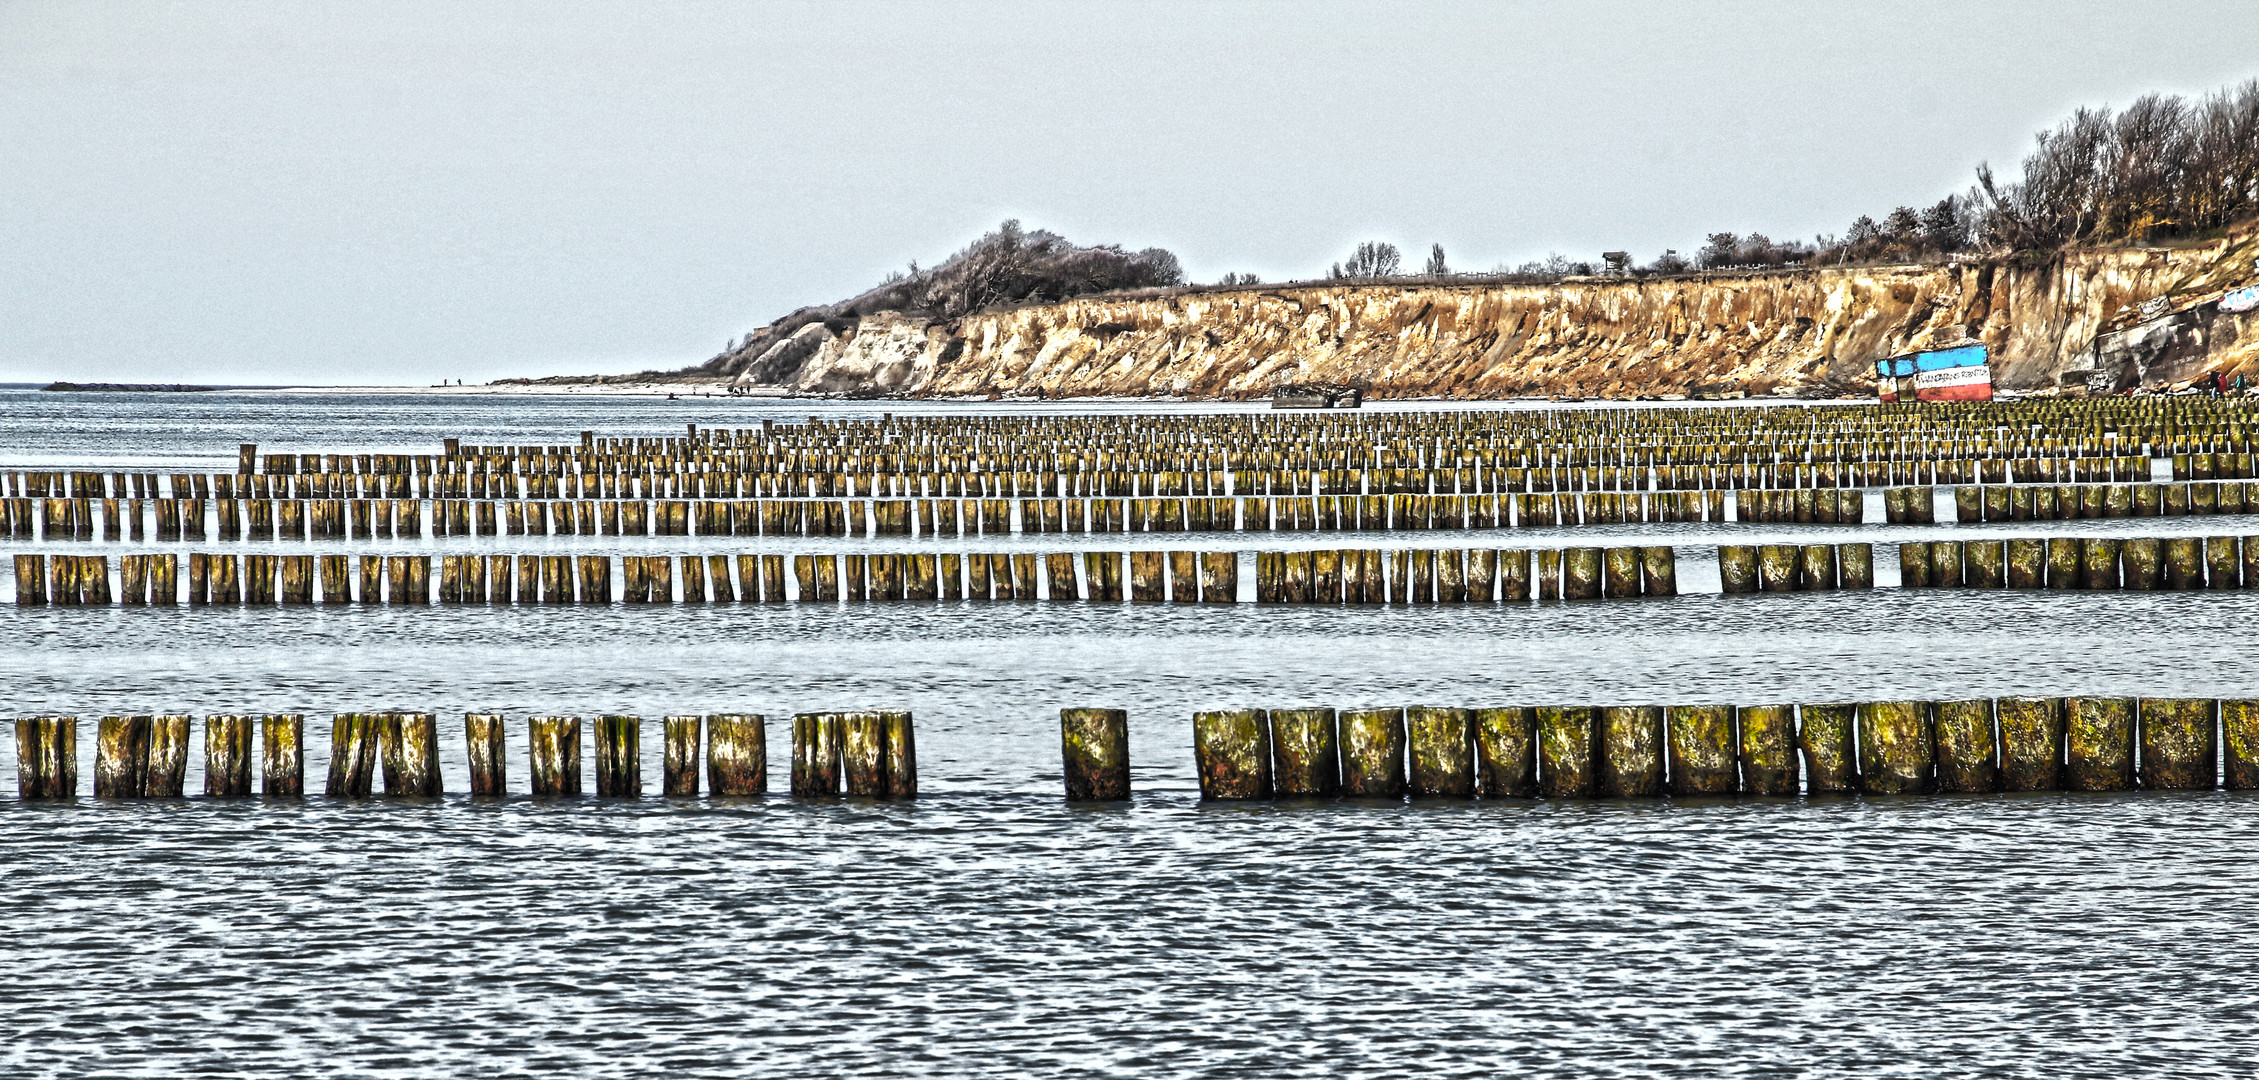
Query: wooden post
point(2184, 563)
point(1766, 749)
point(47, 757)
point(1737, 568)
point(1505, 753)
point(2031, 743)
point(282, 757)
point(901, 755)
point(2098, 738)
point(619, 757)
point(1232, 751)
point(1896, 751)
point(121, 757)
point(1628, 756)
point(553, 756)
point(1372, 753)
point(1703, 752)
point(1564, 751)
point(168, 756)
point(1305, 756)
point(227, 757)
point(1442, 752)
point(1776, 567)
point(862, 753)
point(1580, 573)
point(679, 766)
point(1619, 572)
point(1094, 753)
point(2027, 563)
point(352, 756)
point(737, 754)
point(1824, 736)
point(1658, 571)
point(409, 748)
point(1965, 746)
point(2178, 749)
point(488, 751)
point(2143, 562)
point(815, 755)
point(2239, 741)
point(1986, 564)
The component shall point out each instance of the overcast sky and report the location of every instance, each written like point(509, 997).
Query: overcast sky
point(350, 193)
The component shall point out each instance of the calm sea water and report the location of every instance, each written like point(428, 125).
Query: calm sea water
point(990, 929)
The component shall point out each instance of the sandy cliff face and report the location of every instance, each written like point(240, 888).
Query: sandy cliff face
point(1814, 329)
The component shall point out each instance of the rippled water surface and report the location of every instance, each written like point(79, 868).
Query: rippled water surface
point(990, 929)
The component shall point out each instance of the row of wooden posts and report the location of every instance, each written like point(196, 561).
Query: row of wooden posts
point(188, 520)
point(859, 753)
point(2092, 562)
point(1901, 747)
point(579, 480)
point(1314, 576)
point(1323, 576)
point(1875, 747)
point(229, 519)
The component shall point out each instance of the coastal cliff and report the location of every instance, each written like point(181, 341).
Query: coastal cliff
point(1811, 331)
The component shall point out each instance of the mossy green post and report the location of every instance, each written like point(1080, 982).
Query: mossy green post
point(1580, 573)
point(1967, 751)
point(2098, 743)
point(1776, 567)
point(1372, 753)
point(1232, 751)
point(2027, 562)
point(1914, 564)
point(2179, 751)
point(1703, 752)
point(1628, 755)
point(2031, 743)
point(1094, 750)
point(2143, 561)
point(1305, 754)
point(1441, 741)
point(1896, 752)
point(1565, 751)
point(1506, 753)
point(1985, 564)
point(1766, 747)
point(2184, 563)
point(2239, 743)
point(1824, 736)
point(1737, 568)
point(1855, 566)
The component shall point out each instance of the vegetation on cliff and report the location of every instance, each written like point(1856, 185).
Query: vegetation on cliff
point(1009, 266)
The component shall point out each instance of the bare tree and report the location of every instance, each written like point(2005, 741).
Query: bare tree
point(1436, 266)
point(1372, 259)
point(1238, 278)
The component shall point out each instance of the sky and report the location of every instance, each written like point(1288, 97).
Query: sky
point(403, 193)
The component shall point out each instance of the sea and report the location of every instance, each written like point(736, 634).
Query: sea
point(990, 928)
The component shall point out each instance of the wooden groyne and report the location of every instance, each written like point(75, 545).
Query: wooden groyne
point(1314, 576)
point(982, 475)
point(194, 520)
point(146, 757)
point(1904, 747)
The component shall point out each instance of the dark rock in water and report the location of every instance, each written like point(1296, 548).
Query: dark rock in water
point(127, 388)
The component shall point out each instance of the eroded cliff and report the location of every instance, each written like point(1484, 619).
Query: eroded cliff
point(1810, 330)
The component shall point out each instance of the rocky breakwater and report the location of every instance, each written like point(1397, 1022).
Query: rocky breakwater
point(1812, 331)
